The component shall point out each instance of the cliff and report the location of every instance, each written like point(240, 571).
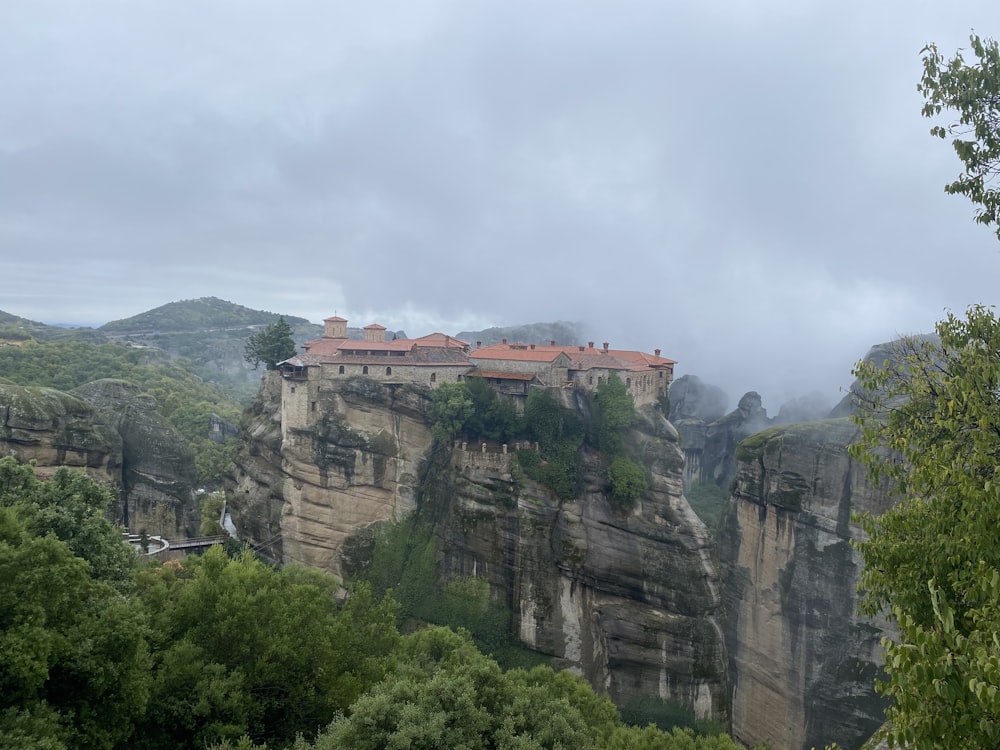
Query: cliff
point(709, 443)
point(107, 429)
point(158, 473)
point(55, 429)
point(299, 493)
point(801, 662)
point(628, 598)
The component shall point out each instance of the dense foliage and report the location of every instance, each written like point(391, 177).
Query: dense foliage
point(931, 427)
point(230, 653)
point(471, 408)
point(972, 89)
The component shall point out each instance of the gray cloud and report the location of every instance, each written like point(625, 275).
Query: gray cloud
point(749, 188)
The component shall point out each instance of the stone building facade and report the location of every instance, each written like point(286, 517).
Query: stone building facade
point(510, 368)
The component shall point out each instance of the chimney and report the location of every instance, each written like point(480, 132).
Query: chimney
point(532, 346)
point(479, 344)
point(581, 347)
point(656, 352)
point(552, 342)
point(590, 344)
point(605, 347)
point(503, 341)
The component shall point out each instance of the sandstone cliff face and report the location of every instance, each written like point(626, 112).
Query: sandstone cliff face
point(299, 496)
point(628, 598)
point(801, 662)
point(55, 429)
point(118, 437)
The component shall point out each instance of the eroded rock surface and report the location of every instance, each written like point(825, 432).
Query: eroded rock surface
point(801, 662)
point(627, 597)
point(158, 475)
point(117, 435)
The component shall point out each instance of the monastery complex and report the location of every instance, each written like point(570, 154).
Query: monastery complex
point(510, 368)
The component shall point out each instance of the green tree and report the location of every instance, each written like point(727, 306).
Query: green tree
point(270, 346)
point(615, 411)
point(72, 508)
point(73, 654)
point(930, 426)
point(628, 480)
point(973, 90)
point(451, 407)
point(269, 653)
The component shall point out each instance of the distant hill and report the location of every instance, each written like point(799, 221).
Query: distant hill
point(14, 328)
point(562, 332)
point(206, 313)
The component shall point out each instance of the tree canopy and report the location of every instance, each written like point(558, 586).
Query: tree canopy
point(271, 345)
point(972, 89)
point(931, 427)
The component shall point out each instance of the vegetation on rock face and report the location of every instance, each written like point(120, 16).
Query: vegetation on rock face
point(472, 409)
point(708, 500)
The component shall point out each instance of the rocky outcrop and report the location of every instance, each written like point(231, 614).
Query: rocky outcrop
point(158, 472)
point(710, 446)
point(801, 662)
point(54, 429)
point(628, 598)
point(117, 435)
point(300, 494)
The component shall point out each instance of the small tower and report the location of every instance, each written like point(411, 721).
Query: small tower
point(334, 328)
point(375, 334)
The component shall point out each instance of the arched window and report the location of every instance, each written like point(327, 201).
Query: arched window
point(364, 370)
point(388, 371)
point(341, 369)
point(434, 377)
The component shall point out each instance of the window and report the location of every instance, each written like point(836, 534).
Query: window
point(364, 370)
point(314, 406)
point(292, 389)
point(434, 377)
point(628, 382)
point(341, 369)
point(388, 371)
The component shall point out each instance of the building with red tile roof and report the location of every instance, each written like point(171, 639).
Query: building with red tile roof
point(510, 368)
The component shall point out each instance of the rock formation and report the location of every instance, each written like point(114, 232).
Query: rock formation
point(118, 437)
point(158, 473)
point(801, 662)
point(55, 429)
point(628, 598)
point(709, 444)
point(299, 493)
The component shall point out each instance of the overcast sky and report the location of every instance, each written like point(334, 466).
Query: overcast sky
point(748, 186)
